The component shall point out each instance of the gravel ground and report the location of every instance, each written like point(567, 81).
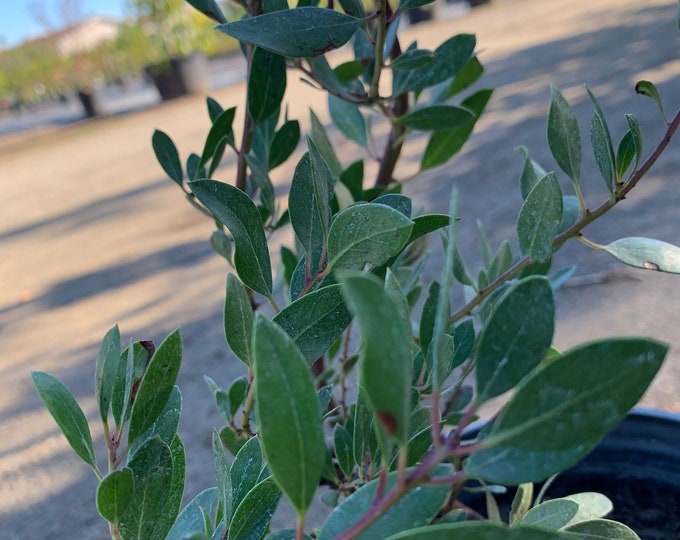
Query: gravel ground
point(92, 234)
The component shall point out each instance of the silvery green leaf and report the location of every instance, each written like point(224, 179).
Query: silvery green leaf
point(646, 253)
point(539, 218)
point(564, 138)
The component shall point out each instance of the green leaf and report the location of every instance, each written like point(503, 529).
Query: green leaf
point(564, 408)
point(288, 413)
point(465, 77)
point(532, 172)
point(551, 515)
point(625, 154)
point(221, 244)
point(366, 233)
point(266, 84)
point(156, 386)
point(348, 119)
point(167, 156)
point(364, 444)
point(436, 118)
point(152, 469)
point(260, 178)
point(521, 503)
point(235, 210)
point(223, 476)
point(540, 218)
point(106, 370)
point(478, 530)
point(601, 529)
point(443, 145)
point(323, 144)
point(647, 88)
point(564, 138)
point(410, 4)
point(174, 501)
point(315, 321)
point(191, 518)
point(450, 57)
point(238, 390)
point(602, 144)
point(516, 337)
point(297, 33)
point(238, 319)
point(220, 130)
point(114, 494)
point(412, 59)
point(284, 143)
point(427, 317)
point(571, 212)
point(165, 426)
point(251, 518)
point(426, 224)
point(385, 372)
point(414, 509)
point(209, 8)
point(246, 470)
point(399, 202)
point(353, 7)
point(67, 414)
point(342, 443)
point(309, 200)
point(214, 109)
point(646, 253)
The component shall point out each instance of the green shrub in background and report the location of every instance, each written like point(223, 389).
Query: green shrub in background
point(391, 451)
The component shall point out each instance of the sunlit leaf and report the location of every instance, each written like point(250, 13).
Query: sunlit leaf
point(646, 253)
point(540, 218)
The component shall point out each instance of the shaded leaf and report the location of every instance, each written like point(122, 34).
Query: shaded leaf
point(478, 530)
point(323, 145)
point(167, 156)
point(532, 172)
point(284, 143)
point(539, 218)
point(67, 414)
point(516, 337)
point(647, 88)
point(564, 138)
point(246, 470)
point(602, 144)
point(209, 8)
point(467, 75)
point(581, 396)
point(220, 130)
point(600, 529)
point(412, 59)
point(571, 213)
point(315, 321)
point(385, 372)
point(445, 144)
point(266, 84)
point(191, 518)
point(342, 443)
point(636, 132)
point(436, 118)
point(238, 213)
point(214, 109)
point(156, 386)
point(625, 154)
point(297, 33)
point(106, 370)
point(238, 319)
point(288, 413)
point(223, 476)
point(353, 7)
point(646, 253)
point(165, 426)
point(348, 119)
point(238, 390)
point(114, 494)
point(366, 233)
point(251, 518)
point(414, 509)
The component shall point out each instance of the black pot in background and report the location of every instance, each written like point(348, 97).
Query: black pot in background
point(418, 15)
point(637, 466)
point(181, 76)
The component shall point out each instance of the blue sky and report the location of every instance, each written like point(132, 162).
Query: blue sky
point(17, 23)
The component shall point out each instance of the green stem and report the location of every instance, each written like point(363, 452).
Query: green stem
point(248, 405)
point(114, 531)
point(381, 33)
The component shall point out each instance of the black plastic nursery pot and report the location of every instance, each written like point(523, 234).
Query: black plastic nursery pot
point(637, 466)
point(179, 77)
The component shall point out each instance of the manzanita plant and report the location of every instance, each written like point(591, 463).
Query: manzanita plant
point(352, 382)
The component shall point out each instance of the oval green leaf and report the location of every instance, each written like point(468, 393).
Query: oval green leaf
point(191, 517)
point(601, 529)
point(238, 319)
point(436, 118)
point(252, 517)
point(297, 33)
point(67, 414)
point(564, 408)
point(266, 84)
point(156, 386)
point(315, 321)
point(114, 494)
point(385, 361)
point(366, 234)
point(646, 253)
point(540, 218)
point(238, 212)
point(288, 413)
point(564, 138)
point(106, 370)
point(479, 530)
point(516, 337)
point(167, 156)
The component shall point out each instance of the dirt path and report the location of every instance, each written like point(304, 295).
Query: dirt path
point(92, 234)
